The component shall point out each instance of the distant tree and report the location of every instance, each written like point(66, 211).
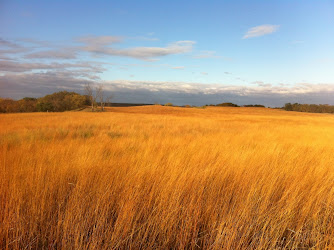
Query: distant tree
point(227, 104)
point(168, 104)
point(288, 106)
point(255, 106)
point(101, 96)
point(8, 105)
point(73, 101)
point(43, 106)
point(60, 101)
point(90, 93)
point(27, 104)
point(108, 100)
point(29, 99)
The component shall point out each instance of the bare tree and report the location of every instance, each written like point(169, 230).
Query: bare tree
point(108, 99)
point(100, 95)
point(90, 93)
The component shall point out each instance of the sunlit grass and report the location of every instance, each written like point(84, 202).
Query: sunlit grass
point(165, 177)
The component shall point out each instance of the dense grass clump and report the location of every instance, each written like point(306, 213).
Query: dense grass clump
point(166, 177)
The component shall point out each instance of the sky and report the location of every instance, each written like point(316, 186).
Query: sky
point(183, 52)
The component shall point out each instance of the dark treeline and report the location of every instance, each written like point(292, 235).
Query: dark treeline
point(56, 102)
point(254, 106)
point(312, 108)
point(227, 104)
point(230, 104)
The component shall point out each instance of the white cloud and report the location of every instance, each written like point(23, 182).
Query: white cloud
point(204, 73)
point(261, 84)
point(178, 67)
point(96, 45)
point(101, 45)
point(261, 30)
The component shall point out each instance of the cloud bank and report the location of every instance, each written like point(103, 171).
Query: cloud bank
point(19, 85)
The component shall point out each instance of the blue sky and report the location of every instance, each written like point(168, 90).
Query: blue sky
point(186, 52)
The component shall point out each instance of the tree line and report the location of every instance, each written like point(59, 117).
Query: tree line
point(94, 97)
point(56, 102)
point(230, 104)
point(312, 108)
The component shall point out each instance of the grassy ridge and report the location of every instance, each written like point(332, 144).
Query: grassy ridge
point(164, 177)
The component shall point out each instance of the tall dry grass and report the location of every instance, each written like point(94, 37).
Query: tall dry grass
point(164, 177)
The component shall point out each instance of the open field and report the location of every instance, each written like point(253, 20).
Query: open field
point(165, 177)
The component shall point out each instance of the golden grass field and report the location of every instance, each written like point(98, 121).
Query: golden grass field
point(164, 177)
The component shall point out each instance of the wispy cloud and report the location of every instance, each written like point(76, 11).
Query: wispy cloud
point(95, 45)
point(36, 43)
point(261, 84)
point(101, 46)
point(9, 47)
point(53, 54)
point(261, 30)
point(6, 43)
point(144, 38)
point(100, 40)
point(14, 66)
point(206, 54)
point(178, 67)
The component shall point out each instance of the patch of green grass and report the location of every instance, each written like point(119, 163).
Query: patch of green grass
point(61, 134)
point(114, 135)
point(11, 139)
point(83, 133)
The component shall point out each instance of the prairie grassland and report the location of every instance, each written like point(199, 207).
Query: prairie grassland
point(165, 177)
